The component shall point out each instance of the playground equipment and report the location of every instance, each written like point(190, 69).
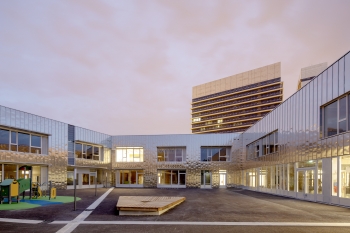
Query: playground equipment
point(24, 184)
point(9, 188)
point(36, 190)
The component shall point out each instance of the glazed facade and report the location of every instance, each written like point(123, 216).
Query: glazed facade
point(312, 158)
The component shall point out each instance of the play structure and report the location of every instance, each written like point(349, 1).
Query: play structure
point(11, 189)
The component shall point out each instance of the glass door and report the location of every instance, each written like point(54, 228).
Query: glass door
point(306, 184)
point(205, 179)
point(222, 174)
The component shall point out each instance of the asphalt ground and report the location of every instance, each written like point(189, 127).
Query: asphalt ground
point(216, 205)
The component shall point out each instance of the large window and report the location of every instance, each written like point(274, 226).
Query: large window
point(20, 141)
point(130, 178)
point(263, 146)
point(215, 154)
point(86, 151)
point(172, 178)
point(175, 154)
point(129, 154)
point(336, 116)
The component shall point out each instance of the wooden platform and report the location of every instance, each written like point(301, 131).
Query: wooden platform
point(147, 205)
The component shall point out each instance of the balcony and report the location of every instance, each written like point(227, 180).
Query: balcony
point(265, 108)
point(221, 131)
point(235, 108)
point(231, 97)
point(278, 99)
point(251, 98)
point(257, 117)
point(255, 85)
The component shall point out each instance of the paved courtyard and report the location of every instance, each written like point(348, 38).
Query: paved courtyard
point(221, 209)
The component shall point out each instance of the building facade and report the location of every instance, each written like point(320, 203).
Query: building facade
point(301, 148)
point(235, 103)
point(60, 152)
point(309, 73)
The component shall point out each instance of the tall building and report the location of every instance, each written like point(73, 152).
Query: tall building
point(308, 73)
point(235, 103)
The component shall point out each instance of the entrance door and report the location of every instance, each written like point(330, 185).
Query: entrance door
point(205, 179)
point(222, 174)
point(306, 184)
point(92, 179)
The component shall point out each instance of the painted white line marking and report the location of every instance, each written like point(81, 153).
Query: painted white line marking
point(20, 220)
point(99, 200)
point(82, 216)
point(292, 224)
point(60, 222)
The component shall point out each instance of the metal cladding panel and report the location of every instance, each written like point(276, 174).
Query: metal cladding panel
point(91, 136)
point(192, 164)
point(341, 77)
point(335, 81)
point(347, 72)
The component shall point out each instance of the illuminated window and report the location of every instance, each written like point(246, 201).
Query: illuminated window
point(129, 154)
point(196, 119)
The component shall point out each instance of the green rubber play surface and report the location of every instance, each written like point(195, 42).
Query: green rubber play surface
point(32, 203)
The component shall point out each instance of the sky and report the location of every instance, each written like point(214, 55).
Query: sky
point(128, 67)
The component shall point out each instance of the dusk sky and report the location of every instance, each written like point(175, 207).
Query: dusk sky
point(128, 67)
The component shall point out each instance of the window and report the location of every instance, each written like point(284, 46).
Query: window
point(263, 146)
point(196, 119)
point(78, 150)
point(21, 142)
point(14, 141)
point(86, 151)
point(172, 178)
point(130, 178)
point(215, 154)
point(35, 144)
point(336, 116)
point(4, 139)
point(176, 154)
point(129, 154)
